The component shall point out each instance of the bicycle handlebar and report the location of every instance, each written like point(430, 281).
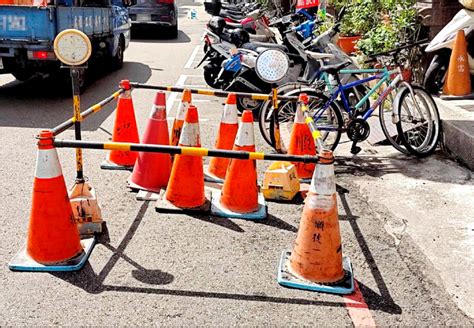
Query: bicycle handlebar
point(394, 51)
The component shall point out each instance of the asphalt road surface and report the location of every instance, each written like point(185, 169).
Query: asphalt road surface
point(406, 225)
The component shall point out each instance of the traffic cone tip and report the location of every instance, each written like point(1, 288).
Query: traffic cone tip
point(231, 99)
point(192, 115)
point(187, 96)
point(160, 99)
point(247, 116)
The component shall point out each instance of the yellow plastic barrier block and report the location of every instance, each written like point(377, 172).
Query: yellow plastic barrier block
point(280, 182)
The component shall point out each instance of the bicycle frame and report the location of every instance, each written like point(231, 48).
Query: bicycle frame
point(383, 75)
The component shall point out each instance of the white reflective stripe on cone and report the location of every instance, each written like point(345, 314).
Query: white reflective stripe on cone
point(229, 115)
point(245, 135)
point(299, 117)
point(155, 111)
point(182, 110)
point(190, 135)
point(324, 180)
point(47, 164)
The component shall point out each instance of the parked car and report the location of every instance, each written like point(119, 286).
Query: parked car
point(150, 14)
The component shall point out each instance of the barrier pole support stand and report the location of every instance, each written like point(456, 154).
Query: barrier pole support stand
point(75, 77)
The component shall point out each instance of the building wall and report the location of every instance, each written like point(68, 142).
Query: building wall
point(441, 11)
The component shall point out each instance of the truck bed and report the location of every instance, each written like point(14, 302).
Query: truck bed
point(42, 24)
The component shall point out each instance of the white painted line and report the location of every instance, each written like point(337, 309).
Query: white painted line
point(171, 118)
point(196, 100)
point(191, 59)
point(172, 98)
point(194, 86)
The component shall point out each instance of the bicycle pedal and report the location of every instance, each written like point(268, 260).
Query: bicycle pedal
point(355, 150)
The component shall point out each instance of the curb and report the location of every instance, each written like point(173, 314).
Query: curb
point(457, 132)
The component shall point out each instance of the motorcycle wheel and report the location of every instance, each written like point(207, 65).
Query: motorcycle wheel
point(436, 73)
point(211, 71)
point(249, 104)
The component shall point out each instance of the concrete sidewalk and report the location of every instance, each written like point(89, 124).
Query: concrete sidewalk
point(458, 129)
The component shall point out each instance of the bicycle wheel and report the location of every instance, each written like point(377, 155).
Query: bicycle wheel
point(389, 129)
point(419, 126)
point(266, 111)
point(329, 123)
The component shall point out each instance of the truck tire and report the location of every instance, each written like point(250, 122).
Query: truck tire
point(117, 60)
point(22, 75)
point(173, 32)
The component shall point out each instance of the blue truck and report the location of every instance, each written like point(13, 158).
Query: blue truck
point(27, 34)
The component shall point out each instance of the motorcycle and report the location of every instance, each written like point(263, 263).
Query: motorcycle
point(442, 45)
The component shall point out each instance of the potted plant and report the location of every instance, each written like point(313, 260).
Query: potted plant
point(396, 24)
point(358, 19)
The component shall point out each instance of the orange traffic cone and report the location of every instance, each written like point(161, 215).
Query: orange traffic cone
point(240, 197)
point(458, 78)
point(225, 140)
point(152, 170)
point(180, 116)
point(316, 262)
point(185, 191)
point(302, 142)
point(53, 240)
point(125, 130)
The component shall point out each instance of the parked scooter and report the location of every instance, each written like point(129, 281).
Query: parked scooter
point(442, 45)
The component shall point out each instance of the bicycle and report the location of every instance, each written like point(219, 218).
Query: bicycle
point(415, 119)
point(313, 79)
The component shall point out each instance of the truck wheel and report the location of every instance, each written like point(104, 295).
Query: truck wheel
point(174, 32)
point(22, 76)
point(117, 60)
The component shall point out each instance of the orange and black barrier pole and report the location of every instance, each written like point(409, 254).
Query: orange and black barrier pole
point(88, 112)
point(190, 151)
point(77, 118)
point(205, 92)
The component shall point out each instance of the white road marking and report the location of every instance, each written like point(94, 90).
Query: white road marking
point(191, 59)
point(172, 98)
point(171, 118)
point(196, 100)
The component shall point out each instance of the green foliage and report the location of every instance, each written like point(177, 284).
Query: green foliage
point(381, 23)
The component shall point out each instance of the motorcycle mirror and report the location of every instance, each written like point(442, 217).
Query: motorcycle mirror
point(272, 65)
point(286, 19)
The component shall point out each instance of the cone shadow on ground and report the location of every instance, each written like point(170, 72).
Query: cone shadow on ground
point(93, 283)
point(223, 222)
point(37, 103)
point(273, 221)
point(383, 301)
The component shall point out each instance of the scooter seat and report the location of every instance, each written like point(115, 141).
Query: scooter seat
point(335, 68)
point(232, 26)
point(262, 46)
point(319, 55)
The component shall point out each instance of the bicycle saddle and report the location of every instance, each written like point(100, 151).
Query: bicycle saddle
point(335, 68)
